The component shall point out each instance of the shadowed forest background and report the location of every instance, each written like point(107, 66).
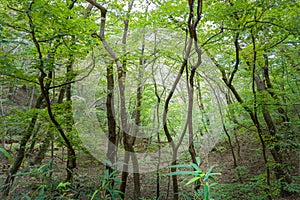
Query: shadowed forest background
point(147, 99)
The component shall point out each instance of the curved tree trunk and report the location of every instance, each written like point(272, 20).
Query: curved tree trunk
point(49, 135)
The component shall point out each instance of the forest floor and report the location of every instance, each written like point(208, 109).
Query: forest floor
point(249, 161)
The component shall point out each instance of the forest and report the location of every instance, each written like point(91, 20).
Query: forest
point(149, 99)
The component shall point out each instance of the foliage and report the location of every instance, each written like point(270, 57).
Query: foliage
point(205, 179)
point(108, 183)
point(7, 155)
point(39, 174)
point(237, 191)
point(251, 46)
point(254, 188)
point(294, 187)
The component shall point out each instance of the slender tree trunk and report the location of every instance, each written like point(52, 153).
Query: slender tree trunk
point(235, 163)
point(194, 18)
point(124, 175)
point(167, 132)
point(112, 136)
point(223, 124)
point(71, 162)
point(252, 114)
point(139, 93)
point(49, 135)
point(174, 178)
point(190, 115)
point(234, 120)
point(2, 114)
point(127, 138)
point(136, 177)
point(158, 97)
point(121, 81)
point(280, 172)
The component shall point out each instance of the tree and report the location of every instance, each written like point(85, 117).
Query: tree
point(176, 77)
point(45, 55)
point(249, 27)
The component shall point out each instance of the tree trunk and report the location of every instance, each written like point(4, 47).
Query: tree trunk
point(281, 172)
point(252, 114)
point(167, 132)
point(49, 135)
point(127, 139)
point(71, 162)
point(112, 136)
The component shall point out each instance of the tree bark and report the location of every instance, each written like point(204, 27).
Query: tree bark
point(71, 162)
point(112, 136)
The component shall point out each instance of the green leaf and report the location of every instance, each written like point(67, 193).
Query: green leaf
point(198, 161)
point(26, 196)
point(206, 191)
point(7, 155)
point(180, 166)
point(193, 180)
point(94, 194)
point(208, 173)
point(213, 184)
point(182, 173)
point(196, 167)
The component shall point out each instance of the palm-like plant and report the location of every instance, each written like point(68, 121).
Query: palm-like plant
point(206, 180)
